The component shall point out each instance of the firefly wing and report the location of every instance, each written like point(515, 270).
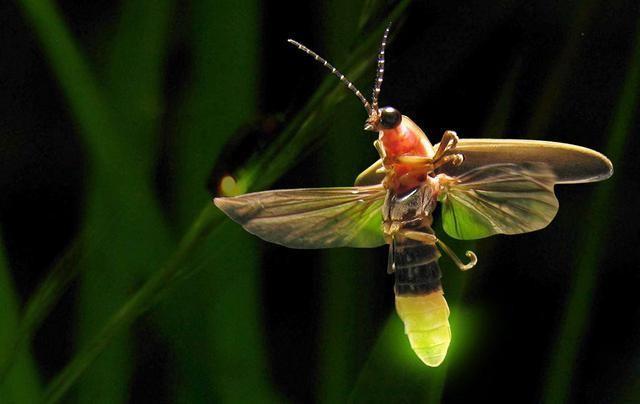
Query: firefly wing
point(570, 164)
point(311, 217)
point(499, 198)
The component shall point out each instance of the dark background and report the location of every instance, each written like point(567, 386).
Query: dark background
point(196, 89)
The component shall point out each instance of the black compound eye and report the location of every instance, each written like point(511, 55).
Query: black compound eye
point(389, 118)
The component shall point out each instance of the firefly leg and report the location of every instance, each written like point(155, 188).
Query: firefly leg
point(385, 163)
point(440, 158)
point(428, 164)
point(432, 240)
point(419, 164)
point(419, 236)
point(414, 160)
point(448, 143)
point(380, 149)
point(392, 228)
point(455, 159)
point(473, 259)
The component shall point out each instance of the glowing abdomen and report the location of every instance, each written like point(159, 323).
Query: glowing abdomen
point(419, 298)
point(426, 323)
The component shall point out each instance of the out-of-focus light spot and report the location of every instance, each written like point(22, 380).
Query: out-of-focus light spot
point(229, 186)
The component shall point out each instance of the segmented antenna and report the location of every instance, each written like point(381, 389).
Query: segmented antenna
point(335, 71)
point(379, 75)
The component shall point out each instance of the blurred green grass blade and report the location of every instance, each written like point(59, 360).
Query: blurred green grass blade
point(135, 73)
point(225, 298)
point(345, 290)
point(546, 104)
point(221, 98)
point(231, 318)
point(576, 316)
point(136, 240)
point(80, 87)
point(21, 384)
point(107, 151)
point(345, 321)
point(87, 103)
point(298, 134)
point(147, 296)
point(40, 302)
point(109, 273)
point(121, 208)
point(116, 165)
point(47, 294)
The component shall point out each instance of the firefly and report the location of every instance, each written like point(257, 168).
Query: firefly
point(483, 186)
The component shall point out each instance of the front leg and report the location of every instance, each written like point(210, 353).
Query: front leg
point(444, 155)
point(381, 151)
point(426, 238)
point(448, 143)
point(455, 159)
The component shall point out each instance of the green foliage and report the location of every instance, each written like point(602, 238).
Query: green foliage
point(116, 121)
point(21, 383)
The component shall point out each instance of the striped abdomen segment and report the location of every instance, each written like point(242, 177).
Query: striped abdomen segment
point(419, 300)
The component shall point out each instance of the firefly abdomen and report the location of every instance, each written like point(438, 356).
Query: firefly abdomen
point(426, 323)
point(419, 299)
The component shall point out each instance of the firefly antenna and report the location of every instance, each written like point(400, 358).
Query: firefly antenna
point(335, 71)
point(380, 73)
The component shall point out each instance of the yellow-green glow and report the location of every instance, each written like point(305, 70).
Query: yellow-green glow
point(229, 186)
point(426, 323)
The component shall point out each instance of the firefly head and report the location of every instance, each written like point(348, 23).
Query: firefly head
point(383, 118)
point(389, 118)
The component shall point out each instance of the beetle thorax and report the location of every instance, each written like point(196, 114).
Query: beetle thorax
point(407, 139)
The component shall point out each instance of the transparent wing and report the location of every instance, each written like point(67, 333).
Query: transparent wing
point(570, 163)
point(500, 198)
point(311, 217)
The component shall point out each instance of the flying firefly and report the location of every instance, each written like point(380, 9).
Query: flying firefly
point(484, 187)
